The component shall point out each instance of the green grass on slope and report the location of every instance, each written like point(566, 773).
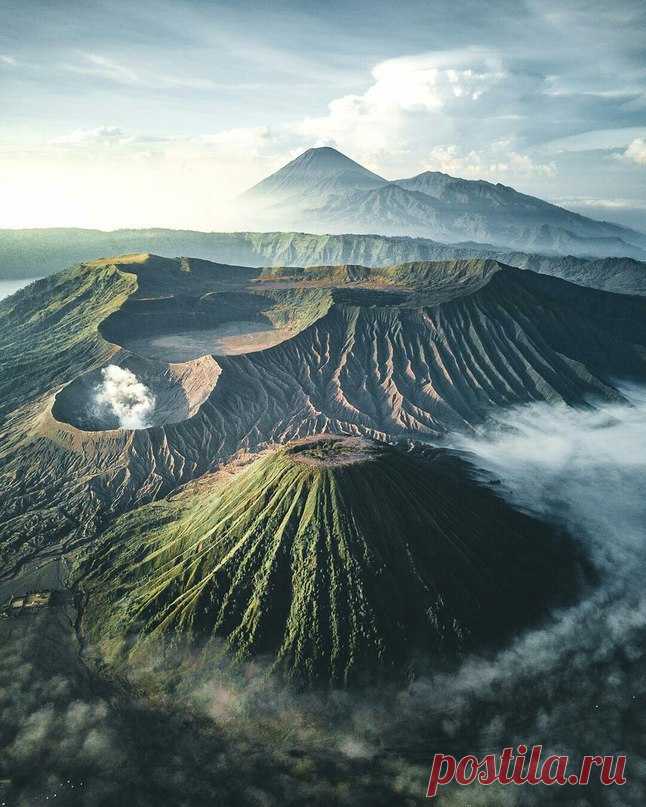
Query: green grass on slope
point(337, 572)
point(48, 331)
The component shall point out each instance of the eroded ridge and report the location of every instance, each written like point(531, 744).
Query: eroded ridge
point(338, 559)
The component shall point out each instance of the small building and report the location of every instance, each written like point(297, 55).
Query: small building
point(38, 599)
point(31, 601)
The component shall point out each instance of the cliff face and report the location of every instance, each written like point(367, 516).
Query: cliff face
point(405, 352)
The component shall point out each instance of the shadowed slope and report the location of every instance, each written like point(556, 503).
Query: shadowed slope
point(49, 332)
point(337, 558)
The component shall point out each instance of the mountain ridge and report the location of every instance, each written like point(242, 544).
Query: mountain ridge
point(31, 253)
point(403, 353)
point(449, 208)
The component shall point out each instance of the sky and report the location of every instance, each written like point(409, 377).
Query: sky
point(121, 114)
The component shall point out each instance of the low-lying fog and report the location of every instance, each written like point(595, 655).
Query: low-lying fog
point(577, 684)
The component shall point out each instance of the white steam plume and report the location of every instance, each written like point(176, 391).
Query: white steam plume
point(121, 394)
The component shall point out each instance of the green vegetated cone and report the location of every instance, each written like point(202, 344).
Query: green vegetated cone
point(340, 559)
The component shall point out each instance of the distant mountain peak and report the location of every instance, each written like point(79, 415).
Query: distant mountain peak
point(324, 169)
point(430, 173)
point(323, 153)
point(327, 158)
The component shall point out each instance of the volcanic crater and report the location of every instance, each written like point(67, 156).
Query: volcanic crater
point(406, 352)
point(181, 328)
point(172, 393)
point(331, 450)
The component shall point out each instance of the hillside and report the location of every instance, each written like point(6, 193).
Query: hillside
point(194, 362)
point(35, 253)
point(337, 558)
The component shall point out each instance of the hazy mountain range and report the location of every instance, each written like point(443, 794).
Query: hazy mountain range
point(39, 252)
point(322, 190)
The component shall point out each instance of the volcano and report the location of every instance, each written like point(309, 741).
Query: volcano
point(338, 558)
point(324, 191)
point(316, 173)
point(239, 358)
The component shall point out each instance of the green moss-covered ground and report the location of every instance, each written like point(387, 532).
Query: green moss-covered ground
point(49, 331)
point(336, 568)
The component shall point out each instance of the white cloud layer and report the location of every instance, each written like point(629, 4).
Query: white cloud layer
point(108, 69)
point(99, 135)
point(636, 151)
point(499, 160)
point(408, 97)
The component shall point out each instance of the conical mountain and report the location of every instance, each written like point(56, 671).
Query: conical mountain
point(339, 559)
point(317, 172)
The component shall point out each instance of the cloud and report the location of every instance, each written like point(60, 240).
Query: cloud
point(100, 66)
point(406, 93)
point(603, 204)
point(583, 466)
point(184, 181)
point(53, 730)
point(636, 151)
point(498, 160)
point(106, 135)
point(598, 139)
point(252, 143)
point(8, 60)
point(432, 81)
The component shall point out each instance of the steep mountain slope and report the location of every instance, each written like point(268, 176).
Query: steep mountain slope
point(408, 351)
point(388, 209)
point(337, 558)
point(317, 174)
point(618, 275)
point(431, 204)
point(31, 253)
point(501, 209)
